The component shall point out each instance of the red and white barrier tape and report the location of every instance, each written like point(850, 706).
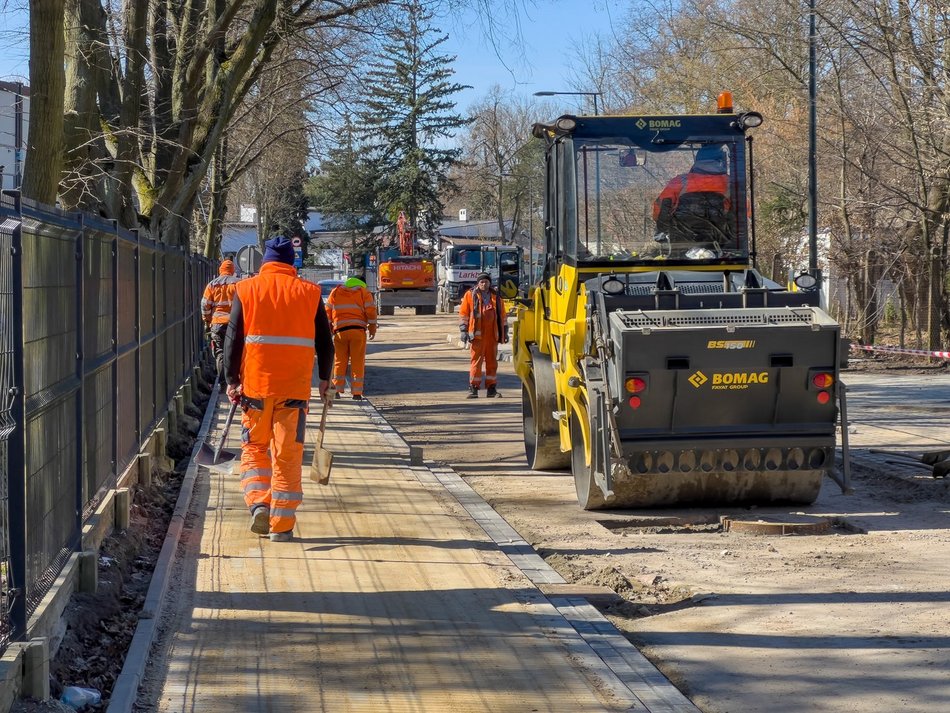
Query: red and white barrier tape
point(898, 350)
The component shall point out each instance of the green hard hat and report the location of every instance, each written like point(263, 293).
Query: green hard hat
point(354, 282)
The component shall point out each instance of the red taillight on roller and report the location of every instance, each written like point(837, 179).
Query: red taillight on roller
point(823, 381)
point(824, 397)
point(634, 402)
point(635, 385)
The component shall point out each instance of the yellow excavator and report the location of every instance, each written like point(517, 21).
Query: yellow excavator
point(656, 362)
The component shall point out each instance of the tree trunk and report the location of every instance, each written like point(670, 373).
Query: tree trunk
point(903, 302)
point(870, 300)
point(44, 157)
point(80, 109)
point(121, 208)
point(218, 192)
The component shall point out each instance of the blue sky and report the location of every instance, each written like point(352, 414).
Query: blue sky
point(531, 52)
point(535, 49)
point(14, 43)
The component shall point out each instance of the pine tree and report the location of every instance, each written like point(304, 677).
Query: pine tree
point(409, 118)
point(344, 192)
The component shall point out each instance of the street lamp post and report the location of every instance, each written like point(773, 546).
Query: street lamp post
point(813, 146)
point(593, 96)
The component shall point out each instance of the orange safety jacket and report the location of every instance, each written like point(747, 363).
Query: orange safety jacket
point(692, 183)
point(217, 299)
point(277, 326)
point(351, 308)
point(470, 314)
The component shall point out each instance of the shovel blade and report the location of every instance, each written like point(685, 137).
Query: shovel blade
point(208, 456)
point(321, 466)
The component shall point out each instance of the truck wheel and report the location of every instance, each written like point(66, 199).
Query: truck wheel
point(426, 309)
point(387, 311)
point(589, 494)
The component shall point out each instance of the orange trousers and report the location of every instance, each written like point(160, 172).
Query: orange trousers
point(349, 346)
point(484, 352)
point(273, 479)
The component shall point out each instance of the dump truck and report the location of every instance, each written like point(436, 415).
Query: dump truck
point(656, 362)
point(459, 265)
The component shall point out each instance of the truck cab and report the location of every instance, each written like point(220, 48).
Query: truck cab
point(460, 264)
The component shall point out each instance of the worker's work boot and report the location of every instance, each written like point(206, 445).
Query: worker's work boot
point(492, 392)
point(357, 397)
point(472, 392)
point(282, 536)
point(260, 520)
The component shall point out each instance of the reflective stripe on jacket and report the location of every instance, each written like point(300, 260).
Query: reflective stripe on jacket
point(217, 299)
point(278, 325)
point(351, 307)
point(475, 306)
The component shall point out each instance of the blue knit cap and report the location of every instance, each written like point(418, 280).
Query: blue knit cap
point(279, 249)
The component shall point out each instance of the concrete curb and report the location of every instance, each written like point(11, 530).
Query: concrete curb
point(126, 687)
point(590, 637)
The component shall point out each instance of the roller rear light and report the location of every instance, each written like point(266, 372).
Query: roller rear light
point(635, 384)
point(823, 380)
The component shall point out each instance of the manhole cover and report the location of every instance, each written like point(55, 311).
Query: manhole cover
point(776, 527)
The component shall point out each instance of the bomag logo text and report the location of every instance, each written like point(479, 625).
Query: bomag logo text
point(730, 380)
point(738, 381)
point(730, 344)
point(664, 123)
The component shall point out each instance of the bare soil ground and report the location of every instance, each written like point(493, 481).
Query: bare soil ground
point(850, 620)
point(99, 627)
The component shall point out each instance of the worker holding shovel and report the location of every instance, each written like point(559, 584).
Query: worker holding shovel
point(277, 325)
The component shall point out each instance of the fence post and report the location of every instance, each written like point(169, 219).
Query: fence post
point(16, 453)
point(188, 327)
point(154, 344)
point(115, 353)
point(137, 330)
point(80, 374)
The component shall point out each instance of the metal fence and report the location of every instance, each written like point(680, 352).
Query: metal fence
point(98, 329)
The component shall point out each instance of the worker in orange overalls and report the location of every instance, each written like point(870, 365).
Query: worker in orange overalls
point(483, 325)
point(352, 314)
point(277, 324)
point(216, 310)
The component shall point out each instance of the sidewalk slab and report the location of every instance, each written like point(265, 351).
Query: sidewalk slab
point(403, 591)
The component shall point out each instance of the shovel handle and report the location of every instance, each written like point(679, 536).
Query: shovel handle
point(323, 423)
point(224, 433)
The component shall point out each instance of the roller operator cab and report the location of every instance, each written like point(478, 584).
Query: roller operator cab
point(656, 362)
